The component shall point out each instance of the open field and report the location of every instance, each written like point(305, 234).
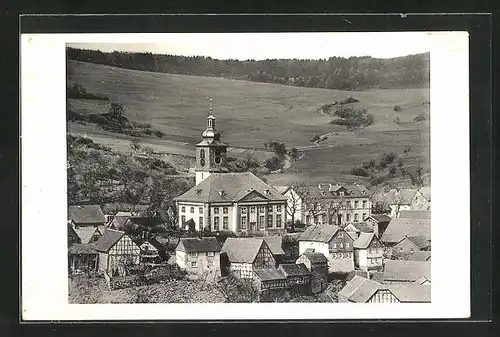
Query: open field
point(250, 114)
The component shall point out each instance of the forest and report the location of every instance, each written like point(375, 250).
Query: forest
point(354, 73)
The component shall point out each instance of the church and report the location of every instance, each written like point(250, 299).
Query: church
point(228, 201)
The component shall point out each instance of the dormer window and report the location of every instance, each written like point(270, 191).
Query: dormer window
point(222, 193)
point(198, 191)
point(266, 191)
point(341, 193)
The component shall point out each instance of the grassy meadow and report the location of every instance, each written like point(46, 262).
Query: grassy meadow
point(250, 114)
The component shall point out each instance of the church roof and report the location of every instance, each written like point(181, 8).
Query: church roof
point(231, 187)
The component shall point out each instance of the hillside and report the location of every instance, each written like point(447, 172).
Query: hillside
point(250, 114)
point(354, 73)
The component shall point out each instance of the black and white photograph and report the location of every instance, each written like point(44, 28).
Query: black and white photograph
point(213, 171)
point(253, 168)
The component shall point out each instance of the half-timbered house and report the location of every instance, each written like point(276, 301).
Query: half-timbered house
point(362, 290)
point(82, 258)
point(269, 279)
point(199, 256)
point(297, 275)
point(116, 252)
point(242, 256)
point(405, 272)
point(317, 264)
point(368, 252)
point(333, 242)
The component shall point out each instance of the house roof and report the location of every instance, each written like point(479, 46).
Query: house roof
point(85, 233)
point(108, 239)
point(281, 188)
point(269, 274)
point(197, 245)
point(143, 221)
point(360, 289)
point(364, 240)
point(426, 192)
point(72, 235)
point(82, 249)
point(380, 217)
point(235, 187)
point(403, 270)
point(86, 214)
point(293, 269)
point(352, 235)
point(420, 256)
point(411, 292)
point(313, 191)
point(398, 228)
point(415, 214)
point(363, 227)
point(320, 233)
point(243, 250)
point(152, 241)
point(419, 241)
point(316, 257)
point(401, 197)
point(274, 244)
point(359, 273)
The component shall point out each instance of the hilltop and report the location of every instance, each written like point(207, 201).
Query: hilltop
point(250, 114)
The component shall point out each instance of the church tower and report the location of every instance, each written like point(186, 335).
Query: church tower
point(210, 152)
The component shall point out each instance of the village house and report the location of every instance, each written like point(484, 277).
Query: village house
point(362, 290)
point(199, 256)
point(368, 252)
point(408, 200)
point(223, 201)
point(269, 279)
point(379, 223)
point(242, 256)
point(409, 245)
point(297, 275)
point(405, 272)
point(411, 293)
point(331, 241)
point(355, 229)
point(317, 264)
point(401, 228)
point(116, 251)
point(82, 258)
point(88, 222)
point(275, 245)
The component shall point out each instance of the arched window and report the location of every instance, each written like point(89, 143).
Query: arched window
point(202, 153)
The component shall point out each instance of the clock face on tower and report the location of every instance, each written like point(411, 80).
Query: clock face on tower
point(218, 158)
point(202, 162)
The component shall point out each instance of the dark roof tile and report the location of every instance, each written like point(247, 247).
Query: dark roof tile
point(83, 214)
point(198, 245)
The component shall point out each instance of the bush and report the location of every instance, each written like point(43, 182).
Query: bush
point(273, 164)
point(392, 170)
point(352, 117)
point(369, 164)
point(359, 171)
point(158, 134)
point(387, 158)
point(348, 100)
point(421, 117)
point(377, 180)
point(397, 108)
point(79, 92)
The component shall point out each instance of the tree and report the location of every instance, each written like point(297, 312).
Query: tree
point(135, 145)
point(116, 111)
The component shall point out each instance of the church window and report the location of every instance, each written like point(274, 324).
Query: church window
point(269, 221)
point(202, 153)
point(243, 210)
point(200, 220)
point(278, 220)
point(269, 209)
point(252, 210)
point(243, 222)
point(216, 210)
point(224, 210)
point(216, 223)
point(261, 209)
point(225, 223)
point(278, 208)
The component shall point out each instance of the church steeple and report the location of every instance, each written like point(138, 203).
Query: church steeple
point(210, 152)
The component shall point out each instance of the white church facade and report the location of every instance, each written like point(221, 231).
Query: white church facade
point(228, 201)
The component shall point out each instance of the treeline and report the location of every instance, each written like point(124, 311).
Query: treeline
point(354, 73)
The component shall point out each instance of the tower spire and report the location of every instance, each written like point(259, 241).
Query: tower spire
point(210, 107)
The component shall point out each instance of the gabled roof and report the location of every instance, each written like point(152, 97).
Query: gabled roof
point(364, 240)
point(157, 245)
point(420, 256)
point(360, 289)
point(234, 187)
point(325, 192)
point(408, 271)
point(281, 188)
point(380, 218)
point(274, 244)
point(86, 214)
point(82, 249)
point(85, 233)
point(293, 269)
point(316, 257)
point(398, 228)
point(415, 214)
point(363, 227)
point(419, 241)
point(426, 192)
point(72, 235)
point(198, 245)
point(242, 250)
point(411, 293)
point(143, 221)
point(400, 197)
point(269, 274)
point(319, 233)
point(108, 239)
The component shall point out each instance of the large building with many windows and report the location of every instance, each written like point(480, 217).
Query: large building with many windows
point(228, 201)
